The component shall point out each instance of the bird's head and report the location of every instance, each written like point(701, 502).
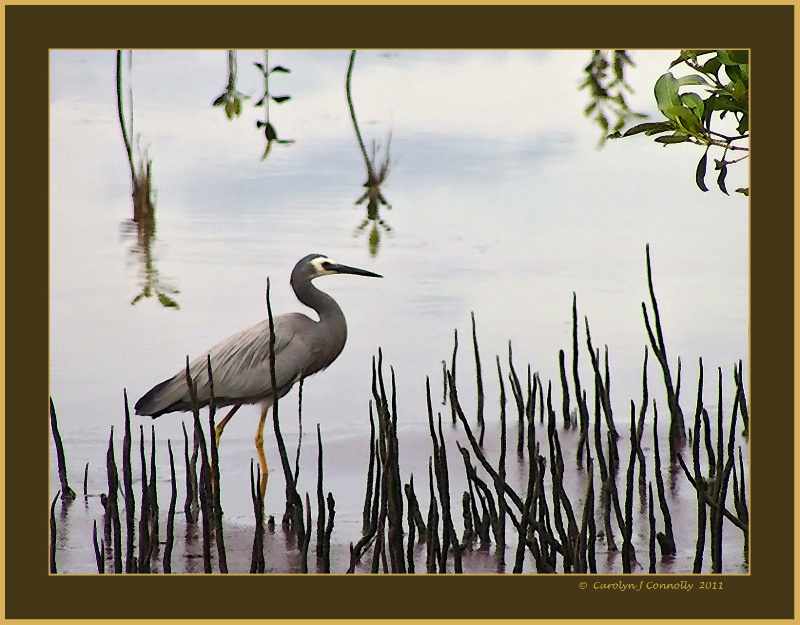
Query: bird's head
point(316, 265)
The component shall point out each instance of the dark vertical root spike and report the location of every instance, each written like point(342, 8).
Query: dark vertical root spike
point(170, 539)
point(67, 492)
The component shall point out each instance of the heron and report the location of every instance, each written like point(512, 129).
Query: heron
point(241, 363)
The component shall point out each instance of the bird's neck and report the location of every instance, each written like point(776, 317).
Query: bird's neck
point(324, 305)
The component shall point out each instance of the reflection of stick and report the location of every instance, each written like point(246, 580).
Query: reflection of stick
point(53, 533)
point(98, 550)
point(192, 503)
point(666, 540)
point(257, 560)
point(206, 497)
point(121, 114)
point(353, 113)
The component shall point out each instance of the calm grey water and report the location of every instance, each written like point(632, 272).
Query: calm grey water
point(502, 205)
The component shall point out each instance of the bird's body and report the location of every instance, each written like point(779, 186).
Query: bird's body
point(240, 364)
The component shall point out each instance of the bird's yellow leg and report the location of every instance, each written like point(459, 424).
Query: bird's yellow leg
point(221, 425)
point(262, 458)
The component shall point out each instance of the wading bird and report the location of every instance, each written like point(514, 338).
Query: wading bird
point(240, 364)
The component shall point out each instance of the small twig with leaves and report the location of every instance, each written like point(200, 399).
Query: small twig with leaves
point(269, 130)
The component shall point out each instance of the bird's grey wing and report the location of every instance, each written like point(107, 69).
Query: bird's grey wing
point(240, 370)
point(244, 364)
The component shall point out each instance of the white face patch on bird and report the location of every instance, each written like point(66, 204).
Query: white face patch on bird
point(323, 266)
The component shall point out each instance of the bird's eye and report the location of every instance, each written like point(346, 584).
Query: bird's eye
point(326, 264)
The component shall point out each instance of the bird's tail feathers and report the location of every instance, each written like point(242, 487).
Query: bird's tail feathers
point(173, 394)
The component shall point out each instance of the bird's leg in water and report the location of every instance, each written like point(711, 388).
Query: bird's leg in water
point(221, 425)
point(262, 458)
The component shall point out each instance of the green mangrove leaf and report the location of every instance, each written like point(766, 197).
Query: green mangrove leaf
point(739, 91)
point(666, 91)
point(733, 57)
point(281, 98)
point(742, 57)
point(692, 79)
point(648, 127)
point(280, 69)
point(685, 119)
point(723, 172)
point(695, 103)
point(664, 127)
point(734, 72)
point(725, 103)
point(744, 124)
point(676, 137)
point(700, 174)
point(711, 66)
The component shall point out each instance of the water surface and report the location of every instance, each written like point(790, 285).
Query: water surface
point(501, 205)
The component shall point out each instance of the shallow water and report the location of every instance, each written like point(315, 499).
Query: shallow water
point(501, 205)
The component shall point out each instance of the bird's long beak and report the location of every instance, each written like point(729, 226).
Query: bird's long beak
point(353, 270)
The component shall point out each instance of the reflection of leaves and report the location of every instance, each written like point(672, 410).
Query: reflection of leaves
point(231, 99)
point(374, 237)
point(271, 136)
point(270, 133)
point(376, 175)
point(607, 90)
point(142, 249)
point(167, 301)
point(143, 228)
point(232, 103)
point(143, 224)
